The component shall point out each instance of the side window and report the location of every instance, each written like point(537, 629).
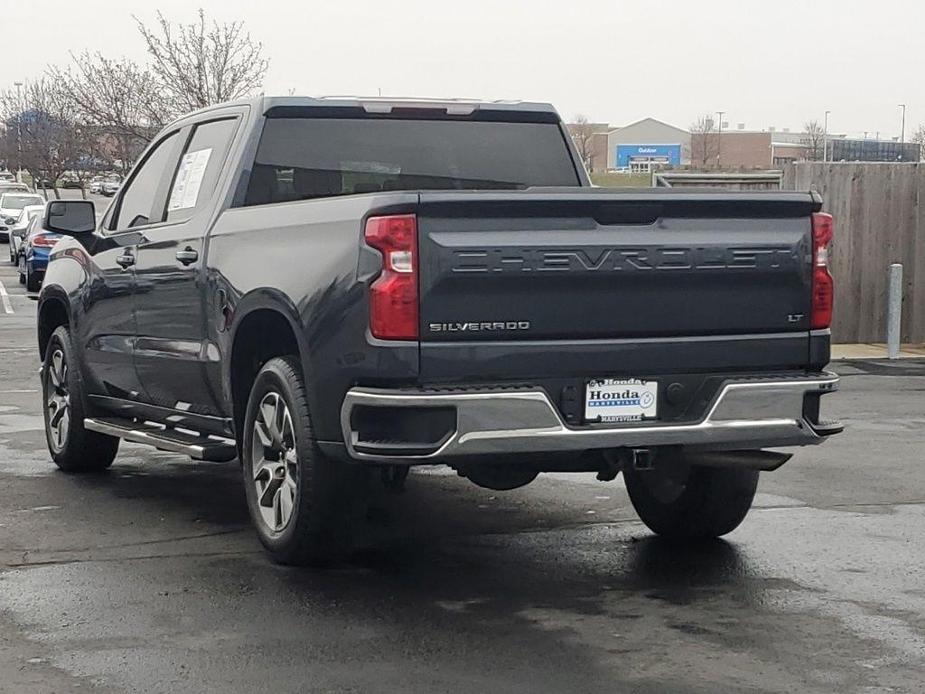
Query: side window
point(136, 207)
point(199, 168)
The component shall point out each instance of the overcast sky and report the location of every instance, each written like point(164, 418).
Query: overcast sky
point(768, 63)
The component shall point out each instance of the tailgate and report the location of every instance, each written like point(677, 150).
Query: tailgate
point(546, 267)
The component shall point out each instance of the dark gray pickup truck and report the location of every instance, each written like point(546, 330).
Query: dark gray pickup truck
point(321, 287)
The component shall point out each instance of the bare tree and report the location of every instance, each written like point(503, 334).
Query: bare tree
point(96, 155)
point(583, 135)
point(813, 140)
point(99, 112)
point(918, 137)
point(704, 141)
point(119, 100)
point(47, 140)
point(192, 66)
point(203, 63)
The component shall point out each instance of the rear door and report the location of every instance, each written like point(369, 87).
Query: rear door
point(518, 274)
point(171, 351)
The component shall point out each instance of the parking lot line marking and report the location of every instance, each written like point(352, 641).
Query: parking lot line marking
point(5, 298)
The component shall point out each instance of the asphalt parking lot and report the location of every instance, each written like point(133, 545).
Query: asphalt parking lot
point(149, 578)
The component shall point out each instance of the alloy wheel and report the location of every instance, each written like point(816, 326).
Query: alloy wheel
point(58, 399)
point(274, 462)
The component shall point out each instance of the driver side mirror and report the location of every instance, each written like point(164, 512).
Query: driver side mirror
point(70, 217)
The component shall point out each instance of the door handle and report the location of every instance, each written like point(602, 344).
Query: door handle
point(188, 255)
point(125, 260)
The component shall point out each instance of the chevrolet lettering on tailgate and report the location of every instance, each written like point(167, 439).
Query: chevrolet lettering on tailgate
point(622, 259)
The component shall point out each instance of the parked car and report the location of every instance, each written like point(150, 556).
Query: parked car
point(19, 230)
point(35, 251)
point(13, 187)
point(7, 177)
point(110, 187)
point(11, 204)
point(96, 186)
point(325, 287)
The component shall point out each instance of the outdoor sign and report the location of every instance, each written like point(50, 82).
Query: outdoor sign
point(667, 154)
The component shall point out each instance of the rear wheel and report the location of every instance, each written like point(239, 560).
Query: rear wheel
point(33, 281)
point(681, 501)
point(72, 447)
point(303, 505)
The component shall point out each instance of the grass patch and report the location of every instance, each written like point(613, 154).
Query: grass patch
point(621, 180)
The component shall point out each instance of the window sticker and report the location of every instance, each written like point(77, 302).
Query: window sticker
point(189, 180)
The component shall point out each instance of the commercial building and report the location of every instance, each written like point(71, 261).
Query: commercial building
point(731, 149)
point(643, 146)
point(591, 142)
point(844, 149)
point(647, 144)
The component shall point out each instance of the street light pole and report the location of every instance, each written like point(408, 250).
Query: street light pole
point(902, 132)
point(18, 131)
point(719, 140)
point(825, 138)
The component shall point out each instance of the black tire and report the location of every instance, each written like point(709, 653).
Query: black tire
point(684, 502)
point(33, 282)
point(325, 498)
point(72, 447)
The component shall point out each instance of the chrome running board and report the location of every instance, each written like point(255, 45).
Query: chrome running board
point(193, 444)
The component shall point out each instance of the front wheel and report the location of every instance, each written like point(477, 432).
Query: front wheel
point(72, 447)
point(681, 501)
point(303, 505)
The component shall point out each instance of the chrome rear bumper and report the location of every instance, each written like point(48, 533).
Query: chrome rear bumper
point(745, 413)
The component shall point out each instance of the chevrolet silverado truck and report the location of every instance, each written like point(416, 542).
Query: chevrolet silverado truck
point(321, 287)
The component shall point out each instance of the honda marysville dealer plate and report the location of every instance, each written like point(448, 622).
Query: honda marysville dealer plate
point(620, 400)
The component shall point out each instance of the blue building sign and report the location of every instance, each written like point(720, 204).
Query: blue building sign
point(669, 155)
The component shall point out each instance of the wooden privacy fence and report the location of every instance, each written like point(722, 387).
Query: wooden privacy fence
point(879, 212)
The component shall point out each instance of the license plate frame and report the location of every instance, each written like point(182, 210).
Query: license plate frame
point(617, 400)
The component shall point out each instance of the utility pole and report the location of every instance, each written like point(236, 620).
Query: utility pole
point(18, 131)
point(719, 140)
point(902, 133)
point(825, 138)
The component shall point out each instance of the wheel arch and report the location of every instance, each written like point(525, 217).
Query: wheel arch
point(54, 311)
point(266, 325)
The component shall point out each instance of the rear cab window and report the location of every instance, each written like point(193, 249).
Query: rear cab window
point(199, 168)
point(301, 158)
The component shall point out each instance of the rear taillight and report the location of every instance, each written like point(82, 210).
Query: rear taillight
point(44, 241)
point(393, 299)
point(823, 288)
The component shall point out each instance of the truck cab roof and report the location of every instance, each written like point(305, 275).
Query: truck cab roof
point(381, 104)
point(342, 106)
